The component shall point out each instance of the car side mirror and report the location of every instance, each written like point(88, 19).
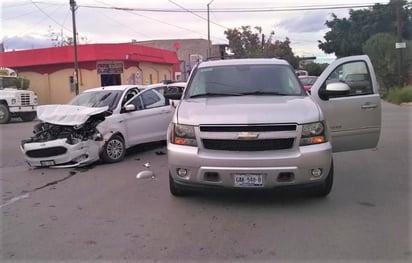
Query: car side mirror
point(129, 107)
point(334, 89)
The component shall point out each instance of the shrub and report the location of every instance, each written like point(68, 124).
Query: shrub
point(22, 83)
point(399, 96)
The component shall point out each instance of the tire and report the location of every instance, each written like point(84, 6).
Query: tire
point(114, 150)
point(325, 188)
point(176, 190)
point(4, 114)
point(28, 116)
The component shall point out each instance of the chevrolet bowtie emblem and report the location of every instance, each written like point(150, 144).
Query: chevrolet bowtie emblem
point(248, 135)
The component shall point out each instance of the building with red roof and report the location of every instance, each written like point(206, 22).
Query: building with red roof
point(51, 70)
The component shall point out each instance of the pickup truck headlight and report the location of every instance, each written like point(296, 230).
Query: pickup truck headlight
point(313, 133)
point(183, 134)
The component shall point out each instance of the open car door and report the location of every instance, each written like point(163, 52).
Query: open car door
point(347, 92)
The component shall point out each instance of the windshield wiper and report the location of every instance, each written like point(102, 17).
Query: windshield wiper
point(215, 94)
point(257, 92)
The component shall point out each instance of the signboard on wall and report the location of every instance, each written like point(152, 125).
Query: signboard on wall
point(109, 68)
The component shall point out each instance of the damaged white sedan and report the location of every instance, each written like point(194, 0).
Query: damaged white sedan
point(98, 124)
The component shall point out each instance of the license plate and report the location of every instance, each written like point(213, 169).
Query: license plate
point(248, 180)
point(47, 163)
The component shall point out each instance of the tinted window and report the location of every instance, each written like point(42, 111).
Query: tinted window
point(356, 75)
point(137, 102)
point(130, 94)
point(173, 90)
point(8, 82)
point(152, 98)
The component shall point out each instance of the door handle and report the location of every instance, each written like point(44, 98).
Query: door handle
point(368, 105)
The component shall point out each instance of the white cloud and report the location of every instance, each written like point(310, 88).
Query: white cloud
point(25, 24)
point(25, 42)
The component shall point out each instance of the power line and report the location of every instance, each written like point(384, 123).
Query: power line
point(238, 10)
point(16, 5)
point(147, 17)
point(124, 25)
point(35, 24)
point(197, 14)
point(14, 16)
point(50, 16)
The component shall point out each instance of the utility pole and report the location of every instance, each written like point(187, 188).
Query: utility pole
point(209, 49)
point(399, 43)
point(73, 7)
point(263, 42)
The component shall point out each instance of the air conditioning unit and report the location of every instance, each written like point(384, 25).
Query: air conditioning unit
point(196, 58)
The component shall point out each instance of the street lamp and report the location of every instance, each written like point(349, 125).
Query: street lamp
point(209, 50)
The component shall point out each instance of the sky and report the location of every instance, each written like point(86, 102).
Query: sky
point(34, 24)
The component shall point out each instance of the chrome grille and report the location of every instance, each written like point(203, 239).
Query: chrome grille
point(269, 137)
point(25, 99)
point(248, 128)
point(248, 145)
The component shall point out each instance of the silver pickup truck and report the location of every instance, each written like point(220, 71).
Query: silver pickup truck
point(249, 124)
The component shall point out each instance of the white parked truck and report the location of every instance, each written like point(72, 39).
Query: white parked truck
point(15, 102)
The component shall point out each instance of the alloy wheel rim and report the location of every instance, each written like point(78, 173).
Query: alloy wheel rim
point(115, 149)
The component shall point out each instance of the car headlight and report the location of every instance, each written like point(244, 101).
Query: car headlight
point(313, 133)
point(183, 135)
point(13, 101)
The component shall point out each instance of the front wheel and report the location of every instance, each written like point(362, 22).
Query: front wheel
point(114, 150)
point(4, 114)
point(28, 116)
point(325, 188)
point(175, 189)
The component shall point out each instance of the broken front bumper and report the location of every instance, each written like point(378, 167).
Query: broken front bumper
point(59, 153)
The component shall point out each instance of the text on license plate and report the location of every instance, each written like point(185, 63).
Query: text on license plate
point(248, 180)
point(47, 163)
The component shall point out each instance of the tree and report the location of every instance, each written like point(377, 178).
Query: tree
point(381, 50)
point(59, 39)
point(347, 36)
point(244, 43)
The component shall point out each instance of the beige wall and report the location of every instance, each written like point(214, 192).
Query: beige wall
point(39, 83)
point(88, 79)
point(54, 88)
point(158, 72)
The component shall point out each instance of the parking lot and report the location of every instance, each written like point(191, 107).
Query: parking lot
point(104, 213)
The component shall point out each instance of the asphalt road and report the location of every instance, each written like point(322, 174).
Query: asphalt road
point(104, 214)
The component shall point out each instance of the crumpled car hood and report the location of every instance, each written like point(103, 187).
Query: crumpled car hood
point(64, 114)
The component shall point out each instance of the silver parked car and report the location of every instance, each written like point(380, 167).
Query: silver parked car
point(100, 123)
point(249, 123)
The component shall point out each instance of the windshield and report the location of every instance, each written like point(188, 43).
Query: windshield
point(238, 80)
point(8, 82)
point(97, 99)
